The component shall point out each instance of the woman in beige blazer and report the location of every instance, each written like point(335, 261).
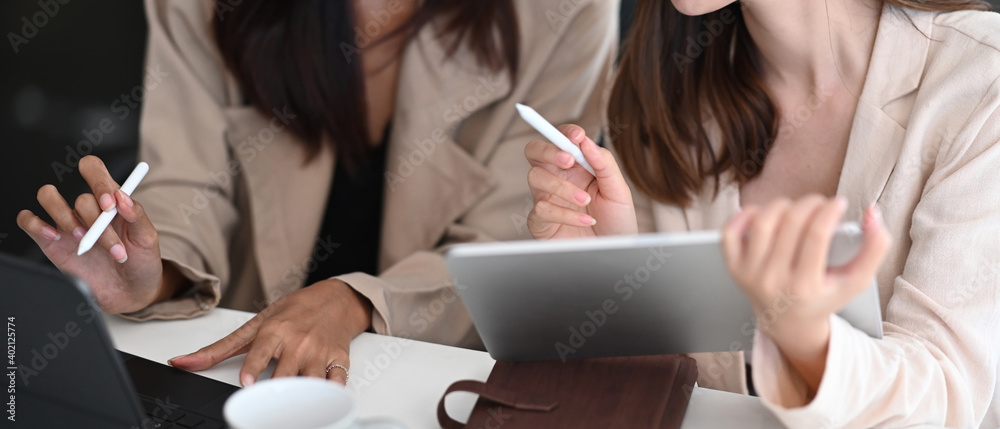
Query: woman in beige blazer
point(232, 211)
point(877, 113)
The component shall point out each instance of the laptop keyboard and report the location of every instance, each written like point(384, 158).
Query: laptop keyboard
point(160, 417)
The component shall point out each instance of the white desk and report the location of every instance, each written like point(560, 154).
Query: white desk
point(395, 377)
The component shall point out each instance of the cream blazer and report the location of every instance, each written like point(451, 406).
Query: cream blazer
point(239, 212)
point(924, 146)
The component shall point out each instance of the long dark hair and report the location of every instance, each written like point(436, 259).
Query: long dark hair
point(678, 71)
point(302, 55)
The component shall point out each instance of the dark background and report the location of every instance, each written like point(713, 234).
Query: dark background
point(63, 81)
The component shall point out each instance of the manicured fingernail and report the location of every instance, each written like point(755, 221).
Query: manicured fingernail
point(106, 202)
point(577, 134)
point(564, 158)
point(79, 232)
point(582, 197)
point(124, 197)
point(51, 233)
point(171, 360)
point(118, 252)
point(246, 380)
point(587, 220)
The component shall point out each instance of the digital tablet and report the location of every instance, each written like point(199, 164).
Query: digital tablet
point(621, 296)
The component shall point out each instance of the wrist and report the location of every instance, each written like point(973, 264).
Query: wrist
point(800, 337)
point(358, 312)
point(805, 347)
point(171, 281)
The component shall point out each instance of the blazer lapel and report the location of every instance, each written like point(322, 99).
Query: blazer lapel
point(876, 139)
point(287, 197)
point(895, 71)
point(874, 147)
point(430, 179)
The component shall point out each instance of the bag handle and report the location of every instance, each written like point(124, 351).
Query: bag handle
point(492, 394)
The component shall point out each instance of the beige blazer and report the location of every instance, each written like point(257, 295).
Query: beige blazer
point(238, 211)
point(924, 146)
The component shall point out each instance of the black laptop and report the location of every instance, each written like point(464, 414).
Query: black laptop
point(61, 370)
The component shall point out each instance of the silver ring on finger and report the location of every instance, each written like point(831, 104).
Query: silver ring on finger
point(339, 366)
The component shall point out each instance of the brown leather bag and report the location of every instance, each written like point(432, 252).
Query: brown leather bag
point(632, 392)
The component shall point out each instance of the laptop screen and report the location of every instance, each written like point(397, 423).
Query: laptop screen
point(65, 372)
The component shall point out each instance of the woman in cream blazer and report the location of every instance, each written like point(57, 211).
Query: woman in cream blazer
point(237, 212)
point(924, 148)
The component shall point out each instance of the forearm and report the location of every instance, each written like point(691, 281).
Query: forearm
point(894, 381)
point(805, 348)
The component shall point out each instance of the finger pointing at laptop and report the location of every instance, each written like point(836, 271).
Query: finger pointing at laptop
point(295, 330)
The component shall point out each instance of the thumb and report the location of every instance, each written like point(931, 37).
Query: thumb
point(141, 231)
point(610, 181)
point(876, 243)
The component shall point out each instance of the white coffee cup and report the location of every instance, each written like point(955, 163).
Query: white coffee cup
point(300, 403)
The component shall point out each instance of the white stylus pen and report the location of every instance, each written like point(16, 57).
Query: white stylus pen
point(105, 218)
point(552, 133)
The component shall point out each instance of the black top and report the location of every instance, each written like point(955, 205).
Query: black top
point(349, 238)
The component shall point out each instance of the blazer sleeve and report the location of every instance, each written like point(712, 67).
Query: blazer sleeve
point(415, 298)
point(186, 192)
point(937, 362)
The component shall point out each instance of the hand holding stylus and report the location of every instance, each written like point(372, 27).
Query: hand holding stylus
point(104, 220)
point(569, 200)
point(554, 135)
point(124, 270)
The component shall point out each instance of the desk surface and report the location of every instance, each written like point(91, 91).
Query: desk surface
point(394, 377)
